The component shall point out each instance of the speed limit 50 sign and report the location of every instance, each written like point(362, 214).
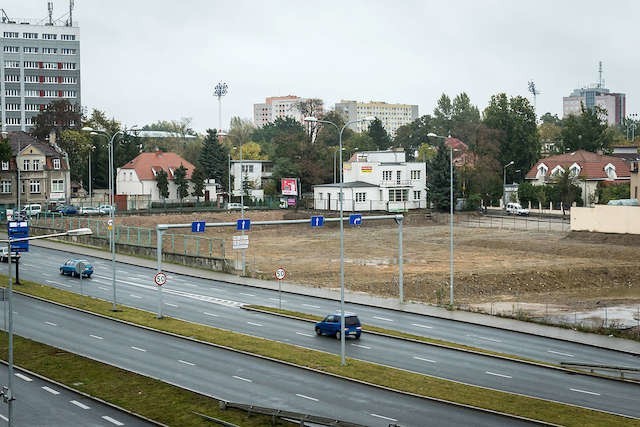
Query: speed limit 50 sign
point(280, 273)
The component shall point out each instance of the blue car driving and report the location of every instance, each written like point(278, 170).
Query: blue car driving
point(330, 326)
point(72, 267)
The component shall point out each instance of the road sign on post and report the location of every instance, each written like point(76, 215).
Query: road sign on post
point(160, 278)
point(317, 221)
point(243, 224)
point(280, 274)
point(197, 226)
point(355, 219)
point(18, 230)
point(241, 242)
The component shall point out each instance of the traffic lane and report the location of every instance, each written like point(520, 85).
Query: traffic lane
point(229, 375)
point(537, 348)
point(43, 403)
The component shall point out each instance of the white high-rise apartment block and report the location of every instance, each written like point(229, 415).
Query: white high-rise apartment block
point(39, 63)
point(392, 116)
point(280, 107)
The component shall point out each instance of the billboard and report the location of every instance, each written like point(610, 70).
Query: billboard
point(289, 186)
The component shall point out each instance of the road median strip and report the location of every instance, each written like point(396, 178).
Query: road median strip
point(366, 372)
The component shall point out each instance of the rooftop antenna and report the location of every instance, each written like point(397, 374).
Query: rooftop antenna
point(5, 18)
point(50, 8)
point(70, 21)
point(600, 81)
point(534, 91)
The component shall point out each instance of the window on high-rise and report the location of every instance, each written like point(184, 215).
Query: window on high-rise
point(11, 49)
point(30, 35)
point(49, 36)
point(67, 37)
point(10, 35)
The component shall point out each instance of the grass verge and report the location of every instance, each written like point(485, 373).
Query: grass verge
point(397, 379)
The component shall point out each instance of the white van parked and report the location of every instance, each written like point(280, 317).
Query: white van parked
point(516, 209)
point(31, 210)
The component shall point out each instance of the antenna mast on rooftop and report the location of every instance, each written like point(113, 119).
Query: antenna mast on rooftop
point(600, 81)
point(70, 21)
point(50, 8)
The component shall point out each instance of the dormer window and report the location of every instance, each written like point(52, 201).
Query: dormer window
point(542, 171)
point(155, 173)
point(557, 171)
point(610, 170)
point(575, 170)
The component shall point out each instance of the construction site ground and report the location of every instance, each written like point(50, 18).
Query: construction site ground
point(560, 275)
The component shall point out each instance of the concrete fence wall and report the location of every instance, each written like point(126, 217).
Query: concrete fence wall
point(606, 219)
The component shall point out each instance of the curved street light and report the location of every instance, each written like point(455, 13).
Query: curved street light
point(112, 244)
point(504, 183)
point(340, 197)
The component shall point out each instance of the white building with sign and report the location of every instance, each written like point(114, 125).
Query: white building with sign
point(376, 181)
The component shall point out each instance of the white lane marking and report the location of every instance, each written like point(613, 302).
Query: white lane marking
point(103, 288)
point(65, 285)
point(79, 404)
point(303, 334)
point(246, 295)
point(311, 306)
point(186, 363)
point(135, 296)
point(50, 324)
point(423, 359)
point(383, 318)
point(383, 417)
point(307, 397)
point(242, 379)
point(96, 337)
point(559, 353)
point(23, 377)
point(254, 324)
point(4, 418)
point(484, 338)
point(278, 299)
point(584, 391)
point(171, 305)
point(139, 349)
point(50, 390)
point(422, 326)
point(206, 313)
point(111, 420)
point(498, 375)
point(361, 346)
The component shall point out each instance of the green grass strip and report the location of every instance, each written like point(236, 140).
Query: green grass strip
point(397, 379)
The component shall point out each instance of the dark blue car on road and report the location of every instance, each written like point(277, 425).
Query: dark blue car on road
point(74, 267)
point(330, 326)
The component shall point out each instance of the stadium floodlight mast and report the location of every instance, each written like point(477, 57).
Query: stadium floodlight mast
point(340, 198)
point(7, 392)
point(219, 91)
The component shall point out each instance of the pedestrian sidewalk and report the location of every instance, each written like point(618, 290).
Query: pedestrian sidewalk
point(597, 340)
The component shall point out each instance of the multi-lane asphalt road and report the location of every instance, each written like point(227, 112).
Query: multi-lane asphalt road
point(216, 304)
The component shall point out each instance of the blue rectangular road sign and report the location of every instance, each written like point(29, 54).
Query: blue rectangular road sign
point(18, 230)
point(317, 221)
point(243, 224)
point(197, 226)
point(355, 219)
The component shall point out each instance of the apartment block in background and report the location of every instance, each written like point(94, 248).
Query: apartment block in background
point(281, 107)
point(39, 63)
point(392, 116)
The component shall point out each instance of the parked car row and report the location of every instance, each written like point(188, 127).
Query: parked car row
point(84, 210)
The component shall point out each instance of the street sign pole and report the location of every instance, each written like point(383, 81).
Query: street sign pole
point(280, 274)
point(159, 234)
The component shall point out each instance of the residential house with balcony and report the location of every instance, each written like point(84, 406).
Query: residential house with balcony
point(43, 169)
point(376, 181)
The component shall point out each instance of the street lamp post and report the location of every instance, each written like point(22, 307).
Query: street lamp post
point(111, 223)
point(340, 198)
point(7, 393)
point(451, 263)
point(504, 183)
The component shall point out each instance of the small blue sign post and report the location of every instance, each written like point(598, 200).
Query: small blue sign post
point(18, 230)
point(198, 226)
point(243, 224)
point(317, 221)
point(355, 219)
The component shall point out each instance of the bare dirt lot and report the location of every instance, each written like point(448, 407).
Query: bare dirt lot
point(543, 273)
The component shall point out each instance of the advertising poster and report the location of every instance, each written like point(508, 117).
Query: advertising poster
point(289, 186)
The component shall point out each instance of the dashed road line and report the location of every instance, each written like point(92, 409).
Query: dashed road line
point(484, 338)
point(310, 306)
point(242, 379)
point(139, 349)
point(171, 305)
point(206, 313)
point(255, 324)
point(361, 346)
point(98, 337)
point(383, 417)
point(307, 397)
point(23, 377)
point(422, 326)
point(498, 375)
point(246, 295)
point(135, 296)
point(304, 334)
point(111, 420)
point(50, 390)
point(186, 363)
point(424, 359)
point(50, 324)
point(584, 391)
point(560, 353)
point(383, 318)
point(79, 404)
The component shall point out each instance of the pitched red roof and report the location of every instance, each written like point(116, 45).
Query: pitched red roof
point(591, 165)
point(145, 163)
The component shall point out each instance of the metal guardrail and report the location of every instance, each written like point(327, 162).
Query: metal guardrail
point(595, 367)
point(288, 415)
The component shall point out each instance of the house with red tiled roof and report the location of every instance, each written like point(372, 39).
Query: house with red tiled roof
point(138, 176)
point(590, 169)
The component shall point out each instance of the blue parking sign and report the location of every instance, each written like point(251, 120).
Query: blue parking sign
point(243, 224)
point(317, 221)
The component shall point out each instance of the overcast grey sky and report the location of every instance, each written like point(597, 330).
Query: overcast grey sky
point(150, 60)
